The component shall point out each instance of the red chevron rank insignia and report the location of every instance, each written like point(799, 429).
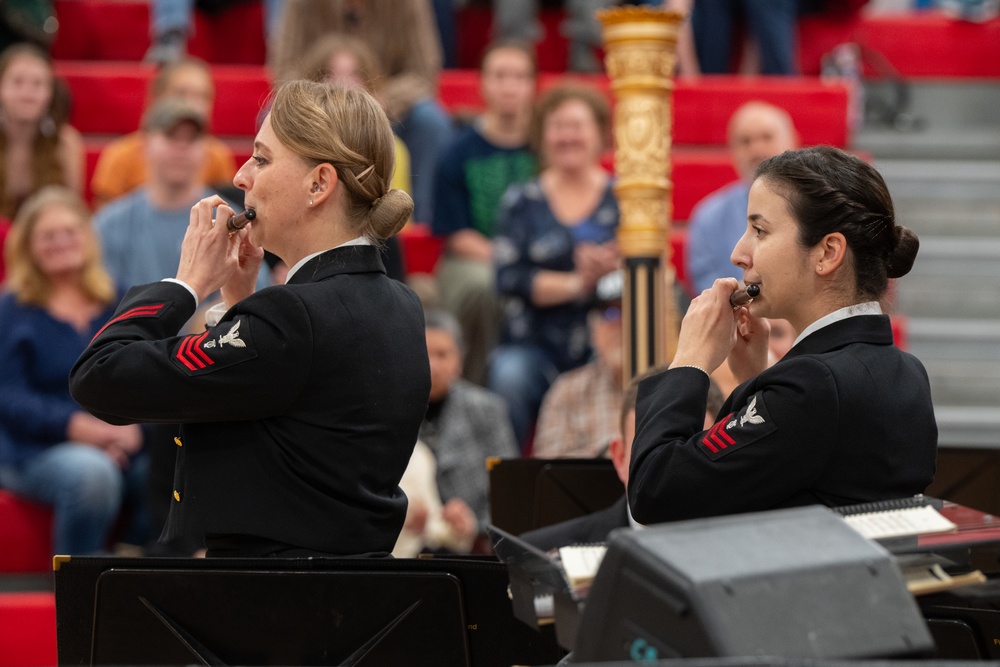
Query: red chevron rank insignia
point(152, 310)
point(738, 429)
point(222, 346)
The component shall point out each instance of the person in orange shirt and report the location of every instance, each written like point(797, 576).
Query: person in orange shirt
point(121, 166)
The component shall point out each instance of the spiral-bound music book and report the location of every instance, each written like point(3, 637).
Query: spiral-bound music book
point(900, 517)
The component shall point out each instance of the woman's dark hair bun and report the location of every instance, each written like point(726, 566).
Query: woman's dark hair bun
point(389, 213)
point(902, 256)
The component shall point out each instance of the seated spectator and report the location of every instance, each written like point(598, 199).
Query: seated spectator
point(489, 155)
point(121, 166)
point(404, 36)
point(464, 425)
point(595, 527)
point(756, 131)
point(431, 526)
point(518, 19)
point(579, 415)
point(172, 23)
point(555, 238)
point(141, 232)
point(348, 61)
point(38, 146)
point(51, 450)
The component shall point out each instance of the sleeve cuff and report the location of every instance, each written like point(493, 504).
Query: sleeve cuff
point(185, 286)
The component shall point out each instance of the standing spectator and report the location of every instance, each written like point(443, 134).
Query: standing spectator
point(404, 36)
point(51, 450)
point(555, 239)
point(580, 411)
point(474, 171)
point(37, 146)
point(464, 424)
point(121, 167)
point(757, 131)
point(772, 24)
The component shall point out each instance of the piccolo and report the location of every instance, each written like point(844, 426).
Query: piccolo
point(238, 222)
point(742, 297)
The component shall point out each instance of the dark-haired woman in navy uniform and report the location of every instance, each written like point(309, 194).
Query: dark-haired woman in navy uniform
point(845, 416)
point(301, 405)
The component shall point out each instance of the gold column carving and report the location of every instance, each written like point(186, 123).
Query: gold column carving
point(640, 45)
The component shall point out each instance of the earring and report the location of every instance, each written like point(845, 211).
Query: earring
point(310, 202)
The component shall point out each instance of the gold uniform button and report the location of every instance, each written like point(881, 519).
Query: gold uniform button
point(177, 495)
point(177, 441)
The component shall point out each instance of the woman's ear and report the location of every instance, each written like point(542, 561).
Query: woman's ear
point(322, 182)
point(831, 252)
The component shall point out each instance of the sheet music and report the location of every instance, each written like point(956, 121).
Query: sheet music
point(580, 562)
point(900, 522)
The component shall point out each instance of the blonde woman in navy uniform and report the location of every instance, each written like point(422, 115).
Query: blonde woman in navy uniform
point(301, 405)
point(845, 417)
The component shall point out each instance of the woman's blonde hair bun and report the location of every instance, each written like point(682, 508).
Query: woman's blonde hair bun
point(389, 213)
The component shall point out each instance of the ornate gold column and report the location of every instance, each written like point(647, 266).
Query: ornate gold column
point(640, 46)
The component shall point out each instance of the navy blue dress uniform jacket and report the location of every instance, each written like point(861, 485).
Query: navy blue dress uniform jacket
point(845, 417)
point(300, 409)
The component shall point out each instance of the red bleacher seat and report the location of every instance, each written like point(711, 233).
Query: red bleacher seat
point(119, 30)
point(109, 98)
point(25, 535)
point(28, 630)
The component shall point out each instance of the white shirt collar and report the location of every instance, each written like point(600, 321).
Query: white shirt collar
point(361, 240)
point(867, 308)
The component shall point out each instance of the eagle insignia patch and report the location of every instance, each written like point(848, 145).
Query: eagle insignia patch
point(738, 429)
point(219, 347)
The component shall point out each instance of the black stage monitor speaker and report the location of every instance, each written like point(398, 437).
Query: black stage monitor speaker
point(795, 583)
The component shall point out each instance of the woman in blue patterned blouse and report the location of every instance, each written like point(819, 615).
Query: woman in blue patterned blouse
point(555, 239)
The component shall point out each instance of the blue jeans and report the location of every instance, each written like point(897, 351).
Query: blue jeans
point(425, 129)
point(85, 489)
point(169, 15)
point(521, 374)
point(772, 24)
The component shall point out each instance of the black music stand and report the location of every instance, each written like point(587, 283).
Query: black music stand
point(303, 611)
point(532, 493)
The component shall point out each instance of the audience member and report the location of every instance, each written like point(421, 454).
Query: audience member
point(52, 451)
point(579, 413)
point(771, 24)
point(555, 239)
point(756, 131)
point(141, 232)
point(464, 425)
point(431, 526)
point(595, 527)
point(121, 166)
point(32, 21)
point(347, 60)
point(404, 36)
point(37, 145)
point(172, 23)
point(518, 19)
point(475, 169)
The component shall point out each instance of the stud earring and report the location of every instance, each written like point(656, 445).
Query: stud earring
point(310, 202)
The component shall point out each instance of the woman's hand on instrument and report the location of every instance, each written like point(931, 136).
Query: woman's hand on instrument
point(749, 354)
point(209, 256)
point(708, 330)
